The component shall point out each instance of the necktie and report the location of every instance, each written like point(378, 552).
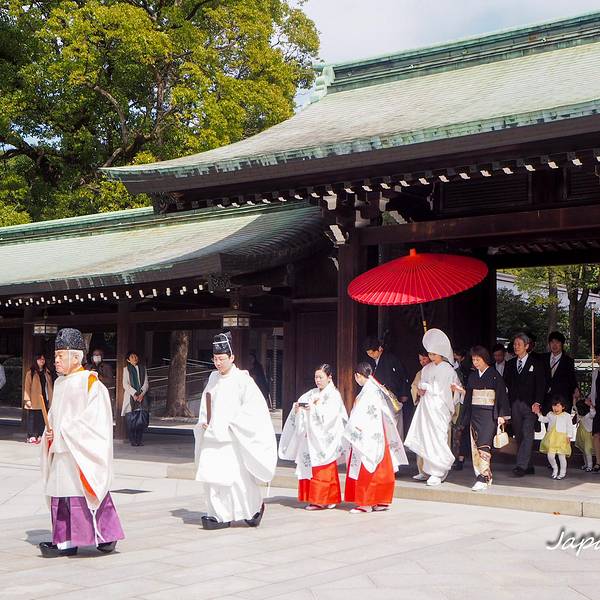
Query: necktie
point(520, 365)
point(554, 364)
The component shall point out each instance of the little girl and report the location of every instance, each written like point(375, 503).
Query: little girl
point(557, 440)
point(583, 440)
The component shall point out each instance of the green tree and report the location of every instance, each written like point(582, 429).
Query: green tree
point(541, 286)
point(86, 84)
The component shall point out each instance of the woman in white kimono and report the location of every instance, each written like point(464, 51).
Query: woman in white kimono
point(235, 442)
point(374, 447)
point(439, 388)
point(312, 438)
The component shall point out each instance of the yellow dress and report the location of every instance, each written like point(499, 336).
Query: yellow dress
point(556, 442)
point(583, 440)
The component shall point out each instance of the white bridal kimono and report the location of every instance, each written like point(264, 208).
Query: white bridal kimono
point(238, 449)
point(82, 422)
point(313, 437)
point(428, 433)
point(364, 435)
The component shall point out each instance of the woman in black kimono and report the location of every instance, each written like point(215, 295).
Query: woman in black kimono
point(485, 407)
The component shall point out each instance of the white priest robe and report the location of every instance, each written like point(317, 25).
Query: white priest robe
point(238, 449)
point(82, 450)
point(313, 437)
point(428, 433)
point(370, 425)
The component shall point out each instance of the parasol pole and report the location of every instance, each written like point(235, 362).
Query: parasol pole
point(423, 318)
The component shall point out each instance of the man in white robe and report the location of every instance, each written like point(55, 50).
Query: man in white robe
point(440, 389)
point(77, 454)
point(235, 442)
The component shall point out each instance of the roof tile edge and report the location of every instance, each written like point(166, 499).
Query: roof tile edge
point(466, 52)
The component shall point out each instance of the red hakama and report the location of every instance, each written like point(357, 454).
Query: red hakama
point(372, 488)
point(324, 487)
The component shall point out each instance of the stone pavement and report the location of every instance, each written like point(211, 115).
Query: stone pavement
point(170, 456)
point(419, 550)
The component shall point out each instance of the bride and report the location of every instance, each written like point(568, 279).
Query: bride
point(439, 389)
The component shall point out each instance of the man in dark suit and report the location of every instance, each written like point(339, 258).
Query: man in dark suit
point(559, 369)
point(526, 384)
point(390, 372)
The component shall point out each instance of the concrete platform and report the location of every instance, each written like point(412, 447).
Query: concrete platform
point(171, 457)
point(577, 495)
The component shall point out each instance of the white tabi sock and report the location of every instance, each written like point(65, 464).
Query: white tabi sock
point(65, 545)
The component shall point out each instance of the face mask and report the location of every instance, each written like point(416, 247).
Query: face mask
point(96, 359)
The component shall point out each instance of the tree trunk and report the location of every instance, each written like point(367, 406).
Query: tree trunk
point(552, 300)
point(176, 396)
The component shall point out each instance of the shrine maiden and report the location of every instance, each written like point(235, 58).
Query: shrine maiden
point(440, 390)
point(373, 445)
point(77, 456)
point(235, 442)
point(312, 438)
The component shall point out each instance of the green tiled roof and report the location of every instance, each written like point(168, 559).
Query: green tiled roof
point(137, 247)
point(505, 80)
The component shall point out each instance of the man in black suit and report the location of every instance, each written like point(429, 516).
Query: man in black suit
point(526, 384)
point(559, 369)
point(390, 372)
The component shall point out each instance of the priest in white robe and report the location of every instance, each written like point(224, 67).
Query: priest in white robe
point(236, 448)
point(77, 455)
point(312, 438)
point(440, 390)
point(373, 445)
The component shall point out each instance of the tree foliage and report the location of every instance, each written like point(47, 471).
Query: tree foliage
point(92, 83)
point(541, 284)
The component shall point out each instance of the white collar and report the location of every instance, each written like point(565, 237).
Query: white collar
point(482, 372)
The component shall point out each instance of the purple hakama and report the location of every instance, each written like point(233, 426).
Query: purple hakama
point(73, 521)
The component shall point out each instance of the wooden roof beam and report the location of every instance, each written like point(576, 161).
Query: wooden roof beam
point(568, 221)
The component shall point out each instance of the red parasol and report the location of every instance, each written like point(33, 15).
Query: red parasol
point(416, 279)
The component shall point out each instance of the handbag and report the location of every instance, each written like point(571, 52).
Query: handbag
point(392, 399)
point(138, 419)
point(501, 437)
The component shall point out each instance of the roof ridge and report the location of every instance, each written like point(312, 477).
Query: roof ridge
point(465, 52)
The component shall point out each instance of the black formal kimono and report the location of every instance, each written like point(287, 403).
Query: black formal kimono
point(485, 400)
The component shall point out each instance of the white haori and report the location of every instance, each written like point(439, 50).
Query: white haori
point(587, 421)
point(371, 423)
point(428, 433)
point(82, 423)
point(562, 422)
point(238, 449)
point(313, 437)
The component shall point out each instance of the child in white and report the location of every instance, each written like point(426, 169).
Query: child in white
point(583, 440)
point(557, 441)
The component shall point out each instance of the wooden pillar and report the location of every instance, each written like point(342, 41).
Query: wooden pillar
point(491, 301)
point(350, 264)
point(28, 349)
point(289, 391)
point(241, 346)
point(123, 340)
point(149, 347)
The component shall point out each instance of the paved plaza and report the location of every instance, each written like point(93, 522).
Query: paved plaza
point(419, 550)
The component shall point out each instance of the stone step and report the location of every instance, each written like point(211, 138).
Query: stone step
point(577, 495)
